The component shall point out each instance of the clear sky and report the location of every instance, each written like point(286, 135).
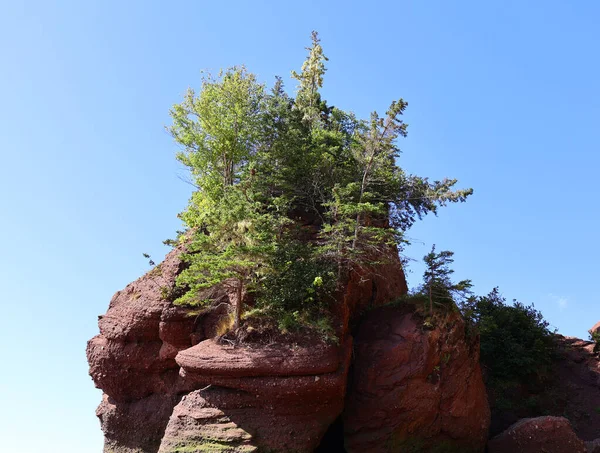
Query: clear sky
point(503, 95)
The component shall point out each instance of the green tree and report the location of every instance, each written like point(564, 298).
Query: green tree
point(219, 129)
point(437, 283)
point(237, 241)
point(517, 347)
point(290, 188)
point(308, 98)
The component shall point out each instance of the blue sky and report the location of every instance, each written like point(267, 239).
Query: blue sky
point(503, 95)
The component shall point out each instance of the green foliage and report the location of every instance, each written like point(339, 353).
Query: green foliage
point(297, 286)
point(219, 128)
point(517, 345)
point(308, 99)
point(437, 284)
point(149, 258)
point(595, 337)
point(292, 194)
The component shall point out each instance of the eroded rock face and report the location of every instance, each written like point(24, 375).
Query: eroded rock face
point(137, 426)
point(535, 435)
point(133, 359)
point(168, 385)
point(259, 412)
point(210, 358)
point(414, 388)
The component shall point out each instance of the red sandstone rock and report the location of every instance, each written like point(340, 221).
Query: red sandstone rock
point(133, 359)
point(244, 414)
point(137, 426)
point(130, 371)
point(538, 435)
point(596, 328)
point(575, 390)
point(415, 389)
point(133, 362)
point(280, 398)
point(367, 288)
point(212, 359)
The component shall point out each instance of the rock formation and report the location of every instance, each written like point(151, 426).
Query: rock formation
point(536, 435)
point(574, 393)
point(171, 386)
point(415, 388)
point(577, 387)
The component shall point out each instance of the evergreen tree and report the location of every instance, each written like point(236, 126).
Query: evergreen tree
point(219, 129)
point(266, 165)
point(308, 98)
point(237, 240)
point(437, 282)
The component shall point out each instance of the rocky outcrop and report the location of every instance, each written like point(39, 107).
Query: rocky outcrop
point(136, 426)
point(535, 435)
point(272, 412)
point(133, 358)
point(577, 386)
point(133, 361)
point(210, 358)
point(415, 387)
point(573, 396)
point(572, 391)
point(171, 386)
point(167, 383)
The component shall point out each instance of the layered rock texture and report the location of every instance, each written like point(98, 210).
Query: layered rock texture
point(415, 388)
point(172, 384)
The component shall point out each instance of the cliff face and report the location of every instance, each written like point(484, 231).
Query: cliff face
point(414, 388)
point(170, 386)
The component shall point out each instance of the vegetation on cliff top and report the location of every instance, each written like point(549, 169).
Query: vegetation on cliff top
point(518, 355)
point(291, 193)
point(518, 350)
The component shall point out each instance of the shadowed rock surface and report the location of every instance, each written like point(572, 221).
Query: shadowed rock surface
point(538, 435)
point(415, 388)
point(573, 392)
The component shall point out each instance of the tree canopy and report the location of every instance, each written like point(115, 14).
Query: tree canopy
point(291, 192)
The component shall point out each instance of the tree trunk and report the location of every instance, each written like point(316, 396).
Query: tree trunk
point(430, 301)
point(238, 305)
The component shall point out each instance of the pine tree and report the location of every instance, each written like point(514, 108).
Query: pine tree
point(266, 164)
point(308, 98)
point(437, 282)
